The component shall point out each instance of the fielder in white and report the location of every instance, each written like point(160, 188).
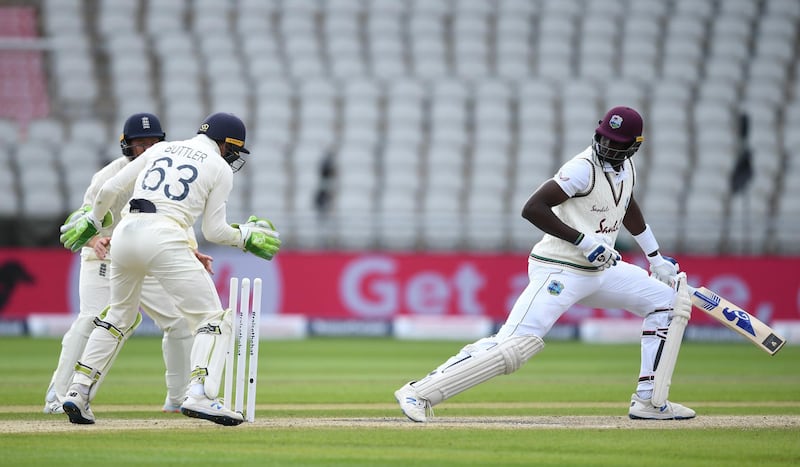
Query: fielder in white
point(173, 184)
point(139, 132)
point(581, 210)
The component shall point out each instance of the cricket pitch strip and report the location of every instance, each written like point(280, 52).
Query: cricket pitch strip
point(109, 419)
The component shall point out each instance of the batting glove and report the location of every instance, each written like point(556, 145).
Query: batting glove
point(598, 252)
point(664, 269)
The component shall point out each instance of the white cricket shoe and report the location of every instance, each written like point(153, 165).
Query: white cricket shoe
point(52, 407)
point(76, 406)
point(210, 409)
point(51, 403)
point(413, 406)
point(643, 409)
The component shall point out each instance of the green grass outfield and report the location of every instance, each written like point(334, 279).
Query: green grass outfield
point(329, 401)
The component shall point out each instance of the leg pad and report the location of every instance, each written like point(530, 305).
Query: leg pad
point(476, 363)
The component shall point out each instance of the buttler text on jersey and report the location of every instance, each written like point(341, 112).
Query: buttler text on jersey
point(187, 152)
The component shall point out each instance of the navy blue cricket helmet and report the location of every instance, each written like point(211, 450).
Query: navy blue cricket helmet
point(227, 128)
point(139, 125)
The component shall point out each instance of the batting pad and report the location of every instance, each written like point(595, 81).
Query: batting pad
point(476, 363)
point(672, 345)
point(208, 353)
point(72, 345)
point(106, 345)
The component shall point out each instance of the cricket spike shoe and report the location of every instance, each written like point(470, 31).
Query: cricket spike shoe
point(51, 403)
point(210, 409)
point(643, 409)
point(76, 406)
point(53, 407)
point(413, 406)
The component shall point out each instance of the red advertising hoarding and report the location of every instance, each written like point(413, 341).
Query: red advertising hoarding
point(34, 281)
point(381, 286)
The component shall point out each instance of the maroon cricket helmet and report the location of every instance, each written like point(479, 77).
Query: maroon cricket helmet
point(622, 126)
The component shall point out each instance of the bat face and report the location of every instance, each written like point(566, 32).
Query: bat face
point(737, 319)
point(743, 321)
point(740, 318)
point(708, 301)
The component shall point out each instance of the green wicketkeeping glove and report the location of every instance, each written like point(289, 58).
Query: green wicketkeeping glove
point(78, 212)
point(108, 219)
point(259, 237)
point(81, 226)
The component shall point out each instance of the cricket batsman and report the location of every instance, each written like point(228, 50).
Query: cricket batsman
point(581, 210)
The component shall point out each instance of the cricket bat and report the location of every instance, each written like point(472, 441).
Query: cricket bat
point(736, 319)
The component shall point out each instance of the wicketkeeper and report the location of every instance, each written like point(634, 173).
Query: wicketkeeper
point(173, 183)
point(139, 132)
point(581, 210)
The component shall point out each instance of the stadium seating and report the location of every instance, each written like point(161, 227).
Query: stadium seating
point(440, 116)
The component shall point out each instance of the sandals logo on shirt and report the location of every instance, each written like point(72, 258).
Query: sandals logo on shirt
point(555, 287)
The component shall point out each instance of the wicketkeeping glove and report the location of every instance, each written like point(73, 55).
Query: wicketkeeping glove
point(598, 252)
point(664, 269)
point(78, 212)
point(81, 226)
point(259, 237)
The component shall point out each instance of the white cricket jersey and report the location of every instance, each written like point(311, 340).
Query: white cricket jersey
point(599, 198)
point(183, 179)
point(118, 208)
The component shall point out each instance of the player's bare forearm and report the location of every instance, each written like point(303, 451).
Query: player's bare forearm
point(634, 219)
point(538, 210)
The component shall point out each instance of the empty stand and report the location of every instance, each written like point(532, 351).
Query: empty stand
point(442, 116)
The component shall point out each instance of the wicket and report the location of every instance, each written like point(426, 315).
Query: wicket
point(244, 341)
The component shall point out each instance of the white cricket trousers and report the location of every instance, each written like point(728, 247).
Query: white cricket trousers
point(94, 291)
point(552, 290)
point(155, 245)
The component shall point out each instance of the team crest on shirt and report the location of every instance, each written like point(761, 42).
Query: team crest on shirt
point(555, 287)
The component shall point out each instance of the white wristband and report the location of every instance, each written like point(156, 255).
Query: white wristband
point(646, 240)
